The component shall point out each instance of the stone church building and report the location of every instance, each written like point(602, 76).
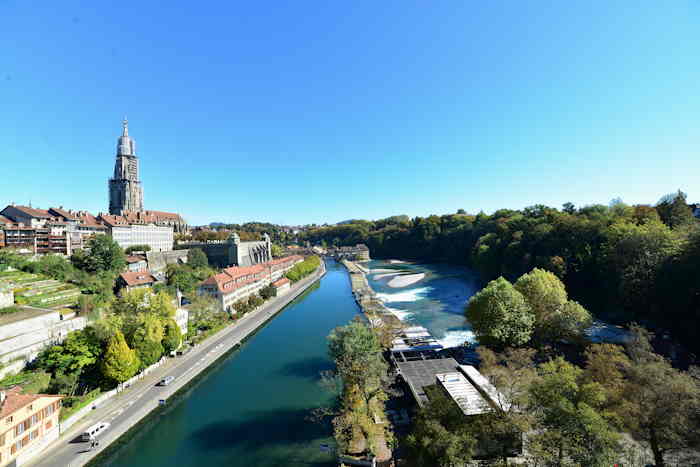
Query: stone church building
point(126, 191)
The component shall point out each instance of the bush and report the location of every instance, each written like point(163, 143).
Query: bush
point(304, 268)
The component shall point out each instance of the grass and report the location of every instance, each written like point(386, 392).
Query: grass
point(9, 309)
point(74, 403)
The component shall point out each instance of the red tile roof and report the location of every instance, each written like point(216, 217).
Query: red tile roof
point(281, 282)
point(15, 400)
point(135, 278)
point(134, 259)
point(38, 213)
point(63, 213)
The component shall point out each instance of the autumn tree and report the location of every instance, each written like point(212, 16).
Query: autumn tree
point(119, 362)
point(661, 402)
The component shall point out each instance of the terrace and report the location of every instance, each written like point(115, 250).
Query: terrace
point(38, 291)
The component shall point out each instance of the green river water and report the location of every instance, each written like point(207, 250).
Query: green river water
point(250, 408)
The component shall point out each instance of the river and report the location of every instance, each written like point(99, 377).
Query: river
point(435, 300)
point(250, 409)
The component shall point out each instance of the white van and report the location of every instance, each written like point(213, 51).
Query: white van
point(92, 432)
point(165, 381)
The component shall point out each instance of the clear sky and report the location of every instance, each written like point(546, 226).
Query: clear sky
point(300, 112)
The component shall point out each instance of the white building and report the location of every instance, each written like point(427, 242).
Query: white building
point(157, 237)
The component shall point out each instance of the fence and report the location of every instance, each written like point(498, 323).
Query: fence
point(70, 421)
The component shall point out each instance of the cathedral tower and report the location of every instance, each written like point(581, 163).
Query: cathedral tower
point(125, 191)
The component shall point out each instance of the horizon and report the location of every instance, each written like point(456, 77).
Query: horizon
point(319, 114)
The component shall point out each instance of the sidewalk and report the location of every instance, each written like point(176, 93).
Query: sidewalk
point(130, 406)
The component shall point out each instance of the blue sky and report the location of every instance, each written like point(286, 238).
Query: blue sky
point(300, 112)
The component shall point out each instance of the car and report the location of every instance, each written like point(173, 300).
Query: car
point(165, 381)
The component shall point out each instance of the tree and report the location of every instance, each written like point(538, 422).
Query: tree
point(568, 422)
point(431, 444)
point(674, 210)
point(512, 373)
point(277, 250)
point(568, 208)
point(556, 318)
point(173, 336)
point(80, 349)
point(608, 365)
point(662, 403)
point(102, 254)
point(500, 316)
point(148, 351)
point(196, 258)
point(133, 248)
point(182, 277)
point(119, 362)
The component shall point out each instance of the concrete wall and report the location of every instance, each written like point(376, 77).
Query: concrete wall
point(25, 339)
point(7, 298)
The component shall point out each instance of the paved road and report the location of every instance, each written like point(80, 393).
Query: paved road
point(128, 407)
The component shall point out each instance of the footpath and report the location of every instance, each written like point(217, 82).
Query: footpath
point(129, 407)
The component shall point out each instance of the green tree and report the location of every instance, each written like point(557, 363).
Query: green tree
point(102, 254)
point(569, 422)
point(500, 316)
point(196, 258)
point(148, 351)
point(674, 210)
point(133, 248)
point(277, 250)
point(173, 336)
point(80, 349)
point(119, 362)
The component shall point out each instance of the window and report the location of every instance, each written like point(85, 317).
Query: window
point(35, 419)
point(8, 420)
point(33, 435)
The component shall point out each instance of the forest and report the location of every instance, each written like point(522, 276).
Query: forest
point(623, 263)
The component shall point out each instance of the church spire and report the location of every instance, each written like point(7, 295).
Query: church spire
point(125, 145)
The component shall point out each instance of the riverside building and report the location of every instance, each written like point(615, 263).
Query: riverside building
point(28, 423)
point(239, 283)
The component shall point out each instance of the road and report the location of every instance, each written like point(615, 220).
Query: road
point(128, 407)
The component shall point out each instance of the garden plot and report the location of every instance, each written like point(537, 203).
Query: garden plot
point(38, 291)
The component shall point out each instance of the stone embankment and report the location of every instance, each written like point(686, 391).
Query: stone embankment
point(377, 313)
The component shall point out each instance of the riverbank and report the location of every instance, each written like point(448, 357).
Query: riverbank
point(375, 310)
point(127, 410)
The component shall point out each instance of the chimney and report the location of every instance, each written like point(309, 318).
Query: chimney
point(3, 396)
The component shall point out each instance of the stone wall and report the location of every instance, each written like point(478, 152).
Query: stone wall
point(159, 260)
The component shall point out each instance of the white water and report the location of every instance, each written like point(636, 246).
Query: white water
point(401, 314)
point(407, 296)
point(385, 275)
point(405, 280)
point(456, 338)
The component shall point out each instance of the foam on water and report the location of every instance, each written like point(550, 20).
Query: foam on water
point(407, 296)
point(456, 338)
point(401, 314)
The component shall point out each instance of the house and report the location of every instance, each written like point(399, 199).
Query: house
point(136, 263)
point(136, 280)
point(282, 286)
point(28, 423)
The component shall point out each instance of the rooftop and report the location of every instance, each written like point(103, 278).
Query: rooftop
point(15, 400)
point(135, 278)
